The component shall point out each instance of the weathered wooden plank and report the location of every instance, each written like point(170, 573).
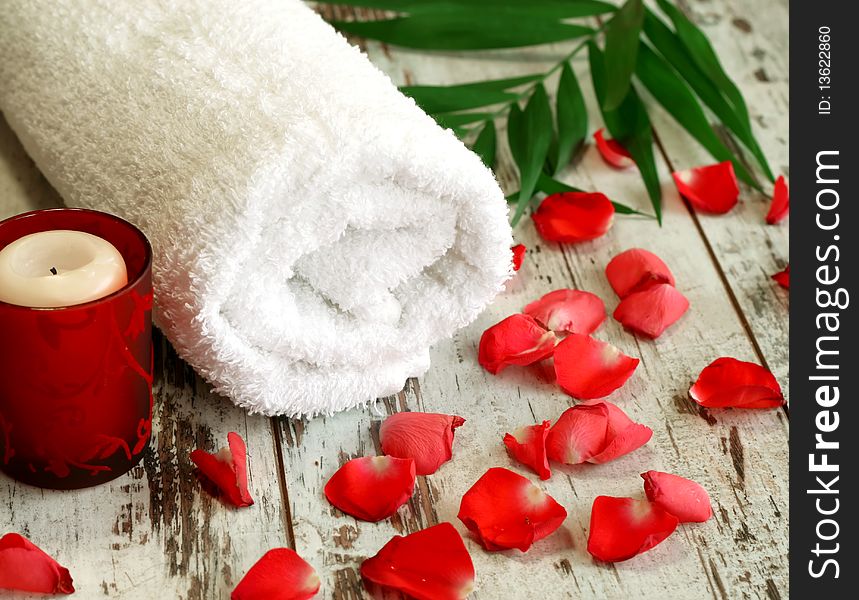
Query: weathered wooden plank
point(153, 532)
point(312, 450)
point(751, 37)
point(740, 456)
point(722, 449)
point(742, 548)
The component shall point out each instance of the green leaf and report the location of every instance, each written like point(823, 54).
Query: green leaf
point(623, 209)
point(549, 185)
point(515, 136)
point(572, 117)
point(484, 145)
point(488, 85)
point(700, 51)
point(621, 48)
point(560, 9)
point(454, 120)
point(459, 31)
point(674, 94)
point(630, 125)
point(450, 98)
point(670, 47)
point(529, 134)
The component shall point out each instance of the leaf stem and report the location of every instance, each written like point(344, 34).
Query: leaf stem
point(532, 86)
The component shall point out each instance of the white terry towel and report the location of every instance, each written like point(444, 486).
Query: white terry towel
point(314, 231)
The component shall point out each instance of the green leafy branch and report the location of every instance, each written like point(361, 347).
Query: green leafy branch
point(675, 63)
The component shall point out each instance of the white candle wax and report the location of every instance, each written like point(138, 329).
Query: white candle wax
point(59, 268)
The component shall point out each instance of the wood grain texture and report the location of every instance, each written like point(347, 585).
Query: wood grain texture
point(741, 457)
point(751, 38)
point(152, 532)
point(742, 552)
point(155, 533)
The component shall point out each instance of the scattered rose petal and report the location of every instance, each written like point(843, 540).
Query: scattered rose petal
point(228, 470)
point(572, 217)
point(517, 340)
point(426, 438)
point(588, 368)
point(622, 436)
point(579, 434)
point(280, 574)
point(505, 510)
point(636, 270)
point(728, 382)
point(780, 205)
point(572, 311)
point(652, 311)
point(528, 446)
point(25, 567)
point(431, 564)
point(681, 497)
point(612, 151)
point(625, 527)
point(783, 278)
point(518, 256)
point(712, 189)
point(595, 432)
point(372, 488)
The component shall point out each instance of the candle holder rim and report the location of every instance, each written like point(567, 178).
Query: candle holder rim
point(147, 264)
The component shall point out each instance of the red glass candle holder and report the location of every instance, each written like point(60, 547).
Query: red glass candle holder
point(76, 381)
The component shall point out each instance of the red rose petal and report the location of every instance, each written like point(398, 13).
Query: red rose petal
point(280, 574)
point(588, 368)
point(572, 217)
point(372, 488)
point(636, 270)
point(652, 311)
point(612, 151)
point(572, 311)
point(595, 432)
point(528, 446)
point(517, 340)
point(728, 382)
point(681, 497)
point(780, 205)
point(711, 189)
point(625, 527)
point(25, 567)
point(228, 470)
point(623, 435)
point(579, 434)
point(518, 256)
point(426, 438)
point(783, 278)
point(431, 564)
point(505, 510)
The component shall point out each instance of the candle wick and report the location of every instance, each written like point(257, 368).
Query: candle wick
point(54, 270)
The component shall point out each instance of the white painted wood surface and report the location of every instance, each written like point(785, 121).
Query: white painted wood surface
point(154, 533)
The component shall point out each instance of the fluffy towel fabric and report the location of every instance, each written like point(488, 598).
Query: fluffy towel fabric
point(315, 232)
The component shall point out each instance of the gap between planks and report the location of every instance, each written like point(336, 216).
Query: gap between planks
point(274, 422)
point(347, 584)
point(723, 277)
point(729, 290)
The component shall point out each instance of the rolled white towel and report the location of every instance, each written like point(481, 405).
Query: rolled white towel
point(314, 231)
